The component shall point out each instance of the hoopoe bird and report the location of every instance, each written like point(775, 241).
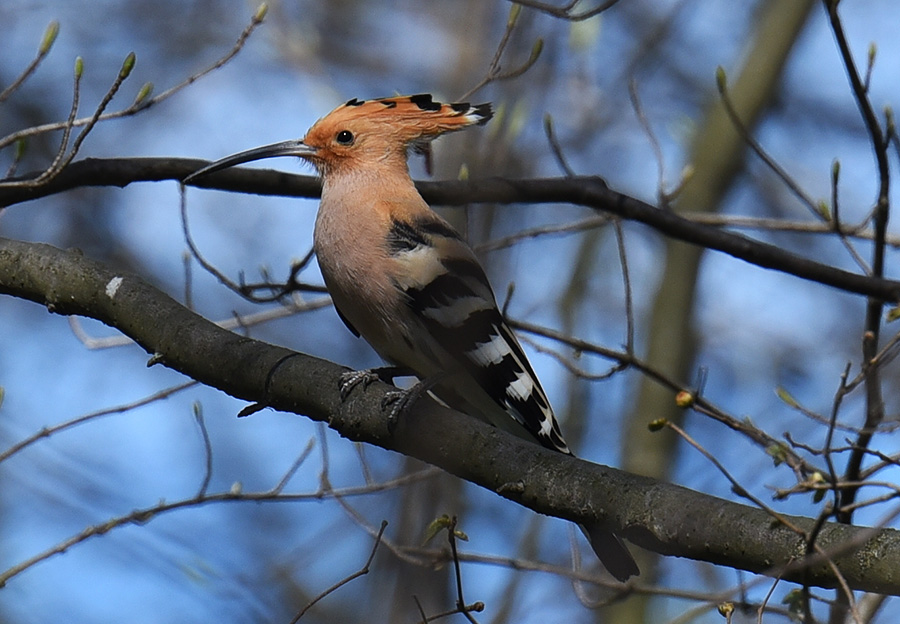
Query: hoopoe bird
point(402, 278)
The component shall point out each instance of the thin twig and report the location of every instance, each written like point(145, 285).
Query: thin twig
point(836, 220)
point(702, 405)
point(460, 601)
point(626, 285)
point(757, 148)
point(67, 130)
point(363, 462)
point(46, 432)
point(736, 487)
point(494, 73)
point(64, 157)
point(762, 605)
point(569, 365)
point(241, 288)
point(584, 225)
point(829, 437)
point(236, 321)
point(361, 572)
point(207, 449)
point(661, 192)
point(141, 516)
point(567, 12)
point(555, 148)
point(47, 41)
point(142, 103)
point(310, 445)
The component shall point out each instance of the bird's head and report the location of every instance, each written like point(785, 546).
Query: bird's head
point(364, 132)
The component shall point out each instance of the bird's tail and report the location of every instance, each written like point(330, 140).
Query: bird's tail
point(612, 553)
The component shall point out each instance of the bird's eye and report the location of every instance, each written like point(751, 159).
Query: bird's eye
point(344, 137)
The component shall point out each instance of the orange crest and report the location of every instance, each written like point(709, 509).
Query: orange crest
point(415, 117)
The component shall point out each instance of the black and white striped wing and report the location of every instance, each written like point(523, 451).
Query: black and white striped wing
point(457, 308)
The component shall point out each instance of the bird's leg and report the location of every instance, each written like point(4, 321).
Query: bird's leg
point(402, 400)
point(387, 374)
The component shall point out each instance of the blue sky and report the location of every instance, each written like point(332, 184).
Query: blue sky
point(237, 562)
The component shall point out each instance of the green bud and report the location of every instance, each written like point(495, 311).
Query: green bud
point(685, 399)
point(817, 478)
point(436, 526)
point(656, 425)
point(514, 12)
point(536, 50)
point(49, 37)
point(786, 396)
point(794, 601)
point(144, 93)
point(127, 66)
point(261, 11)
point(777, 452)
point(721, 79)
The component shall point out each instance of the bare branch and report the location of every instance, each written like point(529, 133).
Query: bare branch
point(47, 42)
point(655, 515)
point(874, 309)
point(586, 191)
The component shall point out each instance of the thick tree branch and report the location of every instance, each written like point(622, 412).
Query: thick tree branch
point(665, 518)
point(591, 192)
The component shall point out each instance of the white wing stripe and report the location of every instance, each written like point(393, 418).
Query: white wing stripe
point(455, 313)
point(492, 352)
point(522, 387)
point(547, 429)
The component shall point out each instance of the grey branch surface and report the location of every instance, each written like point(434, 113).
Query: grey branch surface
point(665, 518)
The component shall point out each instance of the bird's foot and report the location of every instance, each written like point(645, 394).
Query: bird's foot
point(402, 400)
point(351, 379)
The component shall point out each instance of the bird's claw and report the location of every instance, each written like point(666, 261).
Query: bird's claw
point(399, 401)
point(402, 400)
point(351, 379)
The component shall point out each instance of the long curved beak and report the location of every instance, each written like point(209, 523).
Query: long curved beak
point(295, 147)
